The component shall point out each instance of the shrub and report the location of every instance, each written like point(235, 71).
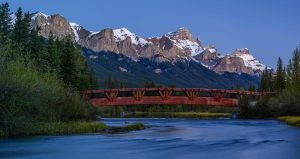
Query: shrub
point(28, 97)
point(135, 126)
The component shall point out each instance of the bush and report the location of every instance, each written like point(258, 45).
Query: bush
point(287, 102)
point(135, 126)
point(28, 97)
point(291, 120)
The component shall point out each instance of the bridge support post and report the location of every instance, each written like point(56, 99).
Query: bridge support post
point(165, 94)
point(111, 95)
point(138, 95)
point(192, 94)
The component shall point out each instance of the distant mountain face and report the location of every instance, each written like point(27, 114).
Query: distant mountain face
point(173, 48)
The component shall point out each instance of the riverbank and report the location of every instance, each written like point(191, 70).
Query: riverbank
point(291, 120)
point(177, 115)
point(76, 127)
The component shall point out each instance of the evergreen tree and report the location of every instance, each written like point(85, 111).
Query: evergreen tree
point(51, 57)
point(35, 44)
point(149, 84)
point(289, 74)
point(22, 29)
point(279, 80)
point(251, 87)
point(266, 83)
point(110, 83)
point(68, 66)
point(5, 20)
point(295, 68)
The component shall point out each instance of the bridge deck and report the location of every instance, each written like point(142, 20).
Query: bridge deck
point(185, 96)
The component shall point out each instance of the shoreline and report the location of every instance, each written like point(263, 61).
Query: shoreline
point(95, 127)
point(290, 120)
point(76, 128)
point(195, 115)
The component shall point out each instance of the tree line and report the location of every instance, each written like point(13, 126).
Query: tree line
point(40, 79)
point(285, 83)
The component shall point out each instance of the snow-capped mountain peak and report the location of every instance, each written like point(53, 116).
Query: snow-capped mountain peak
point(184, 40)
point(248, 59)
point(173, 46)
point(35, 15)
point(122, 33)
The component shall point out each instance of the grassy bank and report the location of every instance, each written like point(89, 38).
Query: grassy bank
point(177, 115)
point(291, 120)
point(65, 128)
point(78, 127)
point(135, 126)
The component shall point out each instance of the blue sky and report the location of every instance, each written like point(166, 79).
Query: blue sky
point(269, 28)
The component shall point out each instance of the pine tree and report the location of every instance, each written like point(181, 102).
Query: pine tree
point(293, 70)
point(5, 20)
point(266, 83)
point(279, 80)
point(251, 87)
point(68, 67)
point(22, 29)
point(35, 44)
point(110, 82)
point(51, 57)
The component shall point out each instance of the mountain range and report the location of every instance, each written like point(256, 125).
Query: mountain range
point(175, 58)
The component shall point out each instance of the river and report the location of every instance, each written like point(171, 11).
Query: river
point(167, 138)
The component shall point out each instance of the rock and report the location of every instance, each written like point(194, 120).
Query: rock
point(209, 57)
point(232, 64)
point(55, 24)
point(177, 46)
point(100, 41)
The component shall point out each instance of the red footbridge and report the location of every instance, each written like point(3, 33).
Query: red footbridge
point(168, 96)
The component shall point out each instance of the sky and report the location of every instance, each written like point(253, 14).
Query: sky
point(268, 28)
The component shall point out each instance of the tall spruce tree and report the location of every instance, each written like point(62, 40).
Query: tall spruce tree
point(22, 29)
point(266, 83)
point(295, 70)
point(68, 67)
point(51, 56)
point(280, 81)
point(5, 20)
point(35, 44)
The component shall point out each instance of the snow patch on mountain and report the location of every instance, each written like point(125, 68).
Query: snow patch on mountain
point(249, 60)
point(39, 14)
point(122, 33)
point(75, 27)
point(194, 47)
point(185, 44)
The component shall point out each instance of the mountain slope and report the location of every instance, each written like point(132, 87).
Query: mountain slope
point(174, 58)
point(181, 74)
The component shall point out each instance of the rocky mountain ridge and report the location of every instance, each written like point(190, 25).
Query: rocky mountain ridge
point(172, 47)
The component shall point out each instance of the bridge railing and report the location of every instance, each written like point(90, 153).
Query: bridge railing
point(239, 92)
point(132, 96)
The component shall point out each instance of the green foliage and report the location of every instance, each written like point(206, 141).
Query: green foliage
point(59, 128)
point(291, 120)
point(5, 20)
point(280, 78)
point(149, 84)
point(112, 83)
point(28, 96)
point(251, 87)
point(287, 101)
point(135, 126)
point(40, 80)
point(266, 84)
point(21, 28)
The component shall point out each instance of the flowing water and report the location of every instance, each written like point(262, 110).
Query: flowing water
point(168, 138)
